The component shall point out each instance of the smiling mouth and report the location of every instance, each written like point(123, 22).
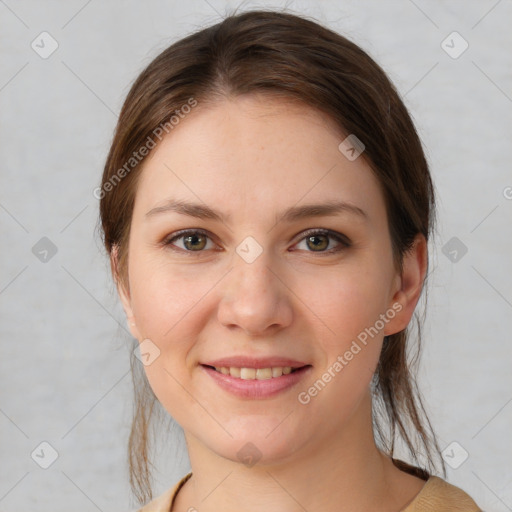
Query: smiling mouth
point(255, 373)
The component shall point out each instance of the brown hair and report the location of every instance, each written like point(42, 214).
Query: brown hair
point(292, 57)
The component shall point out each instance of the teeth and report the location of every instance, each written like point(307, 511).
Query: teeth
point(255, 373)
point(247, 373)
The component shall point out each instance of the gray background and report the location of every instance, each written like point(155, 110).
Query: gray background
point(65, 352)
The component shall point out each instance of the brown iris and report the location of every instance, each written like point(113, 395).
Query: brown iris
point(193, 241)
point(320, 245)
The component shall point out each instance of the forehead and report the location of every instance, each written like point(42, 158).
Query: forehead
point(252, 151)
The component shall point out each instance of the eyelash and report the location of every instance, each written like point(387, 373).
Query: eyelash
point(342, 239)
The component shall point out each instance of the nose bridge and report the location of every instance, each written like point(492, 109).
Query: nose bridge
point(254, 297)
point(252, 278)
point(252, 263)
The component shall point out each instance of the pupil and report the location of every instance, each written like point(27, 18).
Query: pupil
point(317, 245)
point(192, 240)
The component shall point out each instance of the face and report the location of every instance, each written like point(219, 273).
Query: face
point(317, 288)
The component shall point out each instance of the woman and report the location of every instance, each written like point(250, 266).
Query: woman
point(266, 205)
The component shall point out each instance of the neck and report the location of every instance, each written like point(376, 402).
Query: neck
point(345, 472)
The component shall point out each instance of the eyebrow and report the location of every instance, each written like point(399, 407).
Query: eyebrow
point(293, 214)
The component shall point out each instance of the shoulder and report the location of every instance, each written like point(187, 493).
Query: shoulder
point(437, 495)
point(440, 496)
point(163, 502)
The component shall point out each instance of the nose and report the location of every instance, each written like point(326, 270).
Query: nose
point(255, 298)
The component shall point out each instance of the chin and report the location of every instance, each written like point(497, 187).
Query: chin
point(264, 445)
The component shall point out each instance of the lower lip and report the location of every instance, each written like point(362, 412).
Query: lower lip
point(254, 388)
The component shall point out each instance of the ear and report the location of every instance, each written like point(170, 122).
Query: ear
point(124, 293)
point(408, 286)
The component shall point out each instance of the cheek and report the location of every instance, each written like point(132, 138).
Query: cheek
point(351, 308)
point(352, 304)
point(166, 306)
point(162, 296)
point(351, 349)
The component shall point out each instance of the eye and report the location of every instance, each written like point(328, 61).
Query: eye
point(318, 239)
point(196, 240)
point(193, 240)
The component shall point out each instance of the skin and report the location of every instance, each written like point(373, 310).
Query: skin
point(251, 158)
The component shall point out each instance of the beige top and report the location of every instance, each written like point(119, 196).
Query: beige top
point(437, 495)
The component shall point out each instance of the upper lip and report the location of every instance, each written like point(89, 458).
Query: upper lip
point(254, 362)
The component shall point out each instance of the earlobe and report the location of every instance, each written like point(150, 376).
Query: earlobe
point(409, 285)
point(124, 294)
point(128, 310)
